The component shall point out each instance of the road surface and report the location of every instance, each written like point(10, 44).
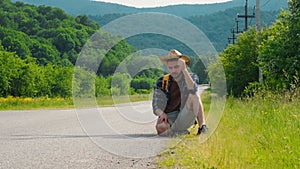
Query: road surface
point(111, 137)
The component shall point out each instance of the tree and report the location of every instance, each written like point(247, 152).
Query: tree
point(44, 52)
point(240, 63)
point(199, 69)
point(217, 78)
point(49, 33)
point(102, 86)
point(8, 70)
point(280, 52)
point(120, 84)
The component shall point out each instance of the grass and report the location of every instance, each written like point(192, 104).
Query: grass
point(19, 103)
point(253, 133)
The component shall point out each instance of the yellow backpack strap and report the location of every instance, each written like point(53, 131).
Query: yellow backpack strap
point(165, 82)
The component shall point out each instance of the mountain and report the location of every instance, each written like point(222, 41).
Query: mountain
point(88, 7)
point(215, 20)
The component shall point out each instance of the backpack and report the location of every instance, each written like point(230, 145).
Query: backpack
point(165, 82)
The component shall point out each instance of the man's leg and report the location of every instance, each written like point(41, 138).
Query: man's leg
point(194, 102)
point(187, 115)
point(183, 121)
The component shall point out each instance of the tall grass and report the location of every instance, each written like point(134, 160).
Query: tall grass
point(21, 103)
point(261, 132)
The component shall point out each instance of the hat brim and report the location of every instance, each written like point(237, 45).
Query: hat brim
point(165, 59)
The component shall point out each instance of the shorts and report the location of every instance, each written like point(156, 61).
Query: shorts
point(181, 121)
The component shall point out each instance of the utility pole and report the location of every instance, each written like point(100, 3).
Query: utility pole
point(257, 15)
point(258, 27)
point(233, 38)
point(234, 32)
point(246, 16)
point(237, 26)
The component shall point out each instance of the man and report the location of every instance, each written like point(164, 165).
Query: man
point(175, 98)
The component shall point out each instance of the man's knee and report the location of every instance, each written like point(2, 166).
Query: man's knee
point(192, 99)
point(163, 128)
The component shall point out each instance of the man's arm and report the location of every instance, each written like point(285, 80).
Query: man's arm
point(188, 79)
point(159, 100)
point(191, 84)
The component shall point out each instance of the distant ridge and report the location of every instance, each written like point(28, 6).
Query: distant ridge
point(88, 7)
point(155, 5)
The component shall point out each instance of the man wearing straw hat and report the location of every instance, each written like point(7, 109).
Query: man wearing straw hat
point(175, 98)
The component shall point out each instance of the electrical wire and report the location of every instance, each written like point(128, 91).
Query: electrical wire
point(266, 3)
point(253, 14)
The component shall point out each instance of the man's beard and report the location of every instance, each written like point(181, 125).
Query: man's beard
point(177, 76)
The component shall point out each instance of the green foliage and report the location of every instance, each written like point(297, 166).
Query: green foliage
point(240, 63)
point(142, 84)
point(217, 78)
point(46, 33)
point(60, 80)
point(28, 103)
point(114, 57)
point(120, 84)
point(280, 58)
point(15, 41)
point(23, 77)
point(47, 42)
point(83, 83)
point(277, 55)
point(200, 69)
point(102, 86)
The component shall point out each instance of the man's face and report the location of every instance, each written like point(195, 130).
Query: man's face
point(174, 68)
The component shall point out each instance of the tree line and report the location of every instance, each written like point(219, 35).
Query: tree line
point(39, 46)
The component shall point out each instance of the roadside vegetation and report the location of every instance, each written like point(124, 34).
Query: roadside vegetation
point(260, 127)
point(28, 103)
point(258, 132)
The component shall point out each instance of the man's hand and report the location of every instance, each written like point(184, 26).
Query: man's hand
point(188, 79)
point(163, 117)
point(182, 64)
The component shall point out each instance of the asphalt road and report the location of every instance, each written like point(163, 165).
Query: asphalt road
point(122, 136)
point(59, 139)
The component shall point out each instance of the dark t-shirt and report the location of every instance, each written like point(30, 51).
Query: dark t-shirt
point(174, 101)
point(175, 96)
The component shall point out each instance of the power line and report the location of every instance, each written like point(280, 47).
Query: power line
point(265, 3)
point(253, 15)
point(236, 31)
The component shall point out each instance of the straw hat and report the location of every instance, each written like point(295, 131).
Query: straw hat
point(175, 54)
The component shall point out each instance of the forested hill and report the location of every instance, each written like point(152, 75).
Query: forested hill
point(216, 26)
point(88, 7)
point(39, 46)
point(45, 33)
point(215, 20)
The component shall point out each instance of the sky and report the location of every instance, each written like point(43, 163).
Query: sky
point(157, 3)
